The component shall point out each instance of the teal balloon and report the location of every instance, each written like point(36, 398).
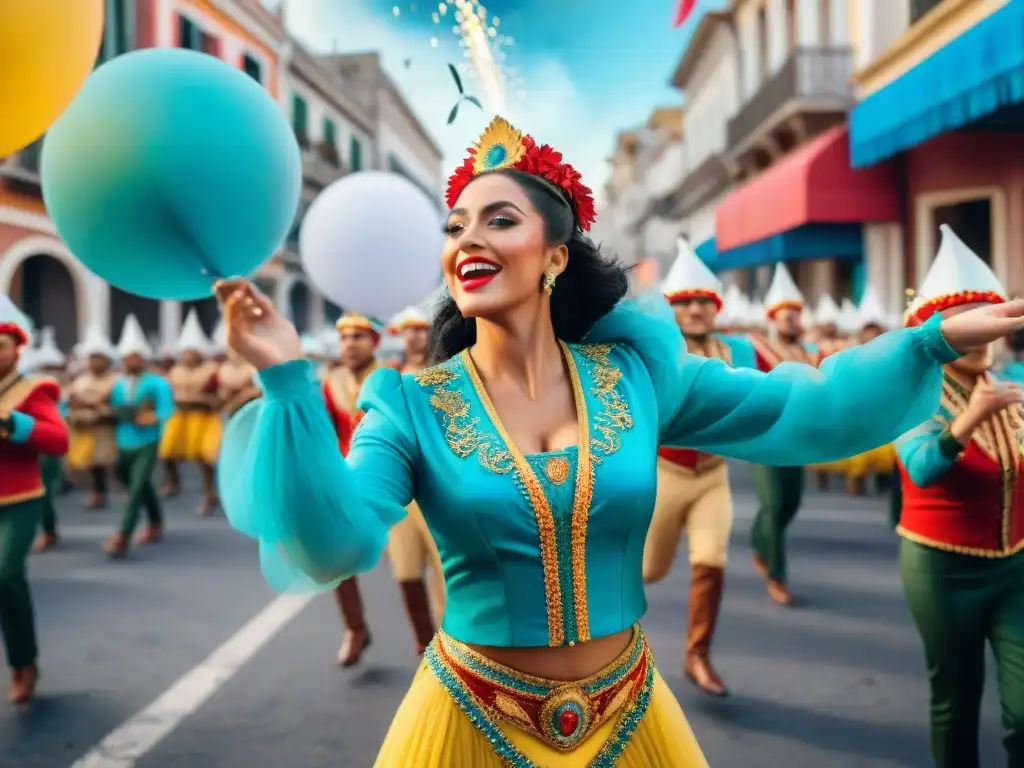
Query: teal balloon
point(171, 169)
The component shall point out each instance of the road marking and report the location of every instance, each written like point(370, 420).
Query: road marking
point(123, 746)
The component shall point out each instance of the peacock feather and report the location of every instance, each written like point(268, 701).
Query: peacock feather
point(499, 146)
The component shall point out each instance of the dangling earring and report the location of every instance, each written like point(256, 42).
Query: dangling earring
point(549, 283)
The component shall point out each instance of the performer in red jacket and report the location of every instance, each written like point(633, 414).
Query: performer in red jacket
point(30, 427)
point(962, 523)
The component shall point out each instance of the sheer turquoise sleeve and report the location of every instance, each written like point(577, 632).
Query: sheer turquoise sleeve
point(921, 454)
point(318, 517)
point(857, 400)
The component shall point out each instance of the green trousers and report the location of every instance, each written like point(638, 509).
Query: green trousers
point(958, 603)
point(779, 491)
point(52, 468)
point(135, 469)
point(18, 523)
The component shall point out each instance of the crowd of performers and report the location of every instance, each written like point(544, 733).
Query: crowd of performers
point(124, 411)
point(131, 414)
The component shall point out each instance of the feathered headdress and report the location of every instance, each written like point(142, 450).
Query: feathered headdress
point(501, 146)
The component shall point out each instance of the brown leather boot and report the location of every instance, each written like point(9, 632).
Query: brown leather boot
point(116, 546)
point(44, 542)
point(706, 585)
point(357, 636)
point(23, 684)
point(417, 606)
point(152, 535)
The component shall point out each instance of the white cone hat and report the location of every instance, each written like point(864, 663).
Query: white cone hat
point(192, 336)
point(689, 276)
point(133, 340)
point(782, 292)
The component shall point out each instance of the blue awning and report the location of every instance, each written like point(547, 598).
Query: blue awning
point(970, 77)
point(811, 241)
point(707, 252)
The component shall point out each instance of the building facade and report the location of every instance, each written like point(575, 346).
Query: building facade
point(402, 144)
point(347, 115)
point(36, 268)
point(767, 87)
point(708, 74)
point(940, 86)
point(660, 163)
point(336, 134)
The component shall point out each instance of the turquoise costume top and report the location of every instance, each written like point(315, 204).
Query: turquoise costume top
point(1012, 371)
point(132, 391)
point(544, 549)
point(741, 349)
point(922, 453)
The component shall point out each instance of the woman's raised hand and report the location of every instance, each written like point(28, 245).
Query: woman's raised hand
point(983, 325)
point(256, 331)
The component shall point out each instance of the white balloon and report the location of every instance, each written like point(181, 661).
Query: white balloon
point(371, 242)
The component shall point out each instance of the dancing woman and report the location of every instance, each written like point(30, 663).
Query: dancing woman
point(531, 451)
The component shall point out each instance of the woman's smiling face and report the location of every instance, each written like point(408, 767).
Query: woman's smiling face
point(496, 255)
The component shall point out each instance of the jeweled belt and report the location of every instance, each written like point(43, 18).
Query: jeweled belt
point(562, 714)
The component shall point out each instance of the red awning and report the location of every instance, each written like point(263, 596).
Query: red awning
point(684, 9)
point(813, 185)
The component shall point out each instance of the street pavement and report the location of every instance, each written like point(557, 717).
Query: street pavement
point(159, 651)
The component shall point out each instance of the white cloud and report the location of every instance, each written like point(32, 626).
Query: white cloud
point(553, 110)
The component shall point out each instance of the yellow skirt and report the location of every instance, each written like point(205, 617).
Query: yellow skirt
point(432, 730)
point(192, 436)
point(880, 461)
point(832, 467)
point(88, 448)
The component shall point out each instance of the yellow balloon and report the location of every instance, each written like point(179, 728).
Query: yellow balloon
point(47, 50)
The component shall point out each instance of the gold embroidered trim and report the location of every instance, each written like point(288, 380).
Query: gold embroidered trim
point(17, 498)
point(995, 437)
point(992, 554)
point(614, 417)
point(493, 670)
point(461, 429)
point(557, 470)
point(600, 435)
point(539, 501)
point(18, 392)
point(510, 708)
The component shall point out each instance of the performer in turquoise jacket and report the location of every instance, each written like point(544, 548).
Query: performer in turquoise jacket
point(531, 450)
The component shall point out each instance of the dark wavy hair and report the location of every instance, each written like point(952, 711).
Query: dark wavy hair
point(586, 291)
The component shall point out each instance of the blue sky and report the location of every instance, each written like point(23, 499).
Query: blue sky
point(589, 68)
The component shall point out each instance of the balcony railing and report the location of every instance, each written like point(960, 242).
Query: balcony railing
point(705, 181)
point(816, 79)
point(24, 165)
point(320, 170)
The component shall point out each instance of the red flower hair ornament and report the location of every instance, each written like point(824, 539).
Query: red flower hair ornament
point(501, 146)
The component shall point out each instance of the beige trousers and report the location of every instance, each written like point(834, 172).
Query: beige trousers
point(412, 551)
point(699, 502)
